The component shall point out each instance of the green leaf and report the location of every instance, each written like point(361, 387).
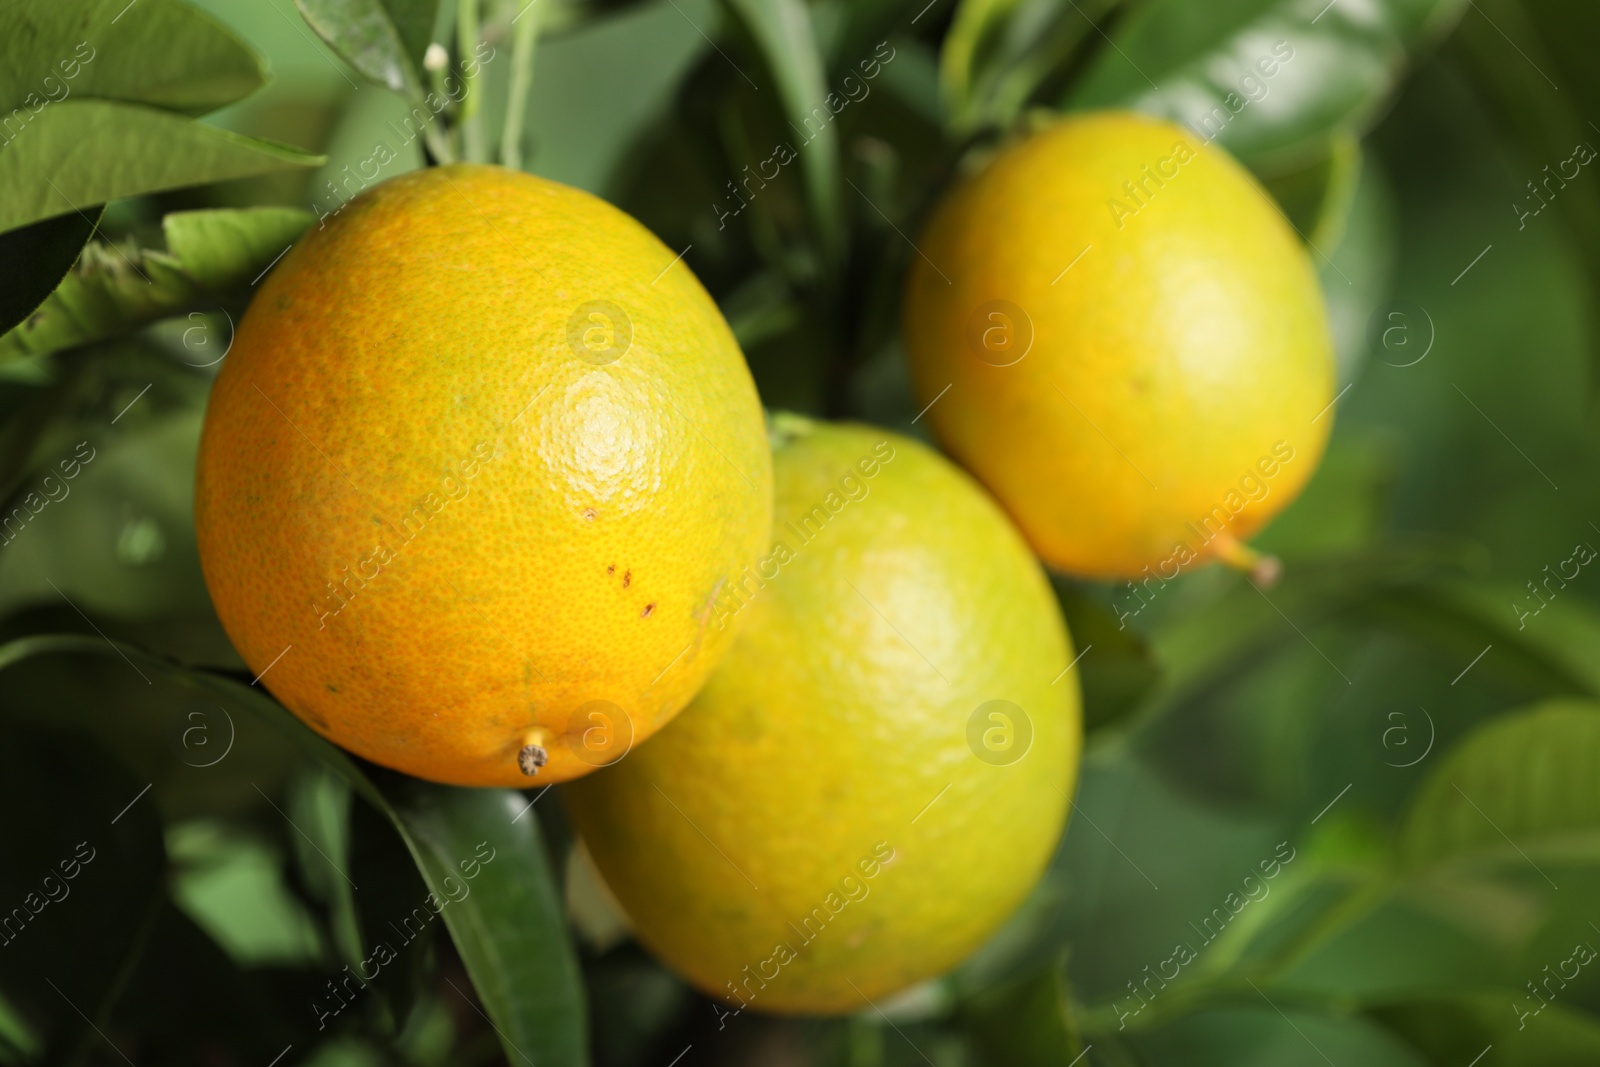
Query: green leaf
point(602, 88)
point(34, 259)
point(1318, 197)
point(163, 53)
point(1270, 80)
point(414, 21)
point(86, 152)
point(1549, 653)
point(509, 928)
point(1357, 276)
point(224, 248)
point(1116, 667)
point(526, 973)
point(784, 36)
point(232, 885)
point(116, 289)
point(1479, 1030)
point(85, 870)
point(998, 53)
point(1519, 788)
point(1267, 1034)
point(1025, 1022)
point(383, 39)
point(1544, 95)
point(117, 537)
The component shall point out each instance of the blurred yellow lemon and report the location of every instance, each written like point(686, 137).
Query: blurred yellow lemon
point(1121, 336)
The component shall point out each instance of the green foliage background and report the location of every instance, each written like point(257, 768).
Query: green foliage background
point(1409, 716)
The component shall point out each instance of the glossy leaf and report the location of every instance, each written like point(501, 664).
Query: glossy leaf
point(115, 289)
point(1519, 788)
point(163, 53)
point(368, 35)
point(136, 150)
point(784, 35)
point(510, 929)
point(1271, 80)
point(526, 973)
point(34, 259)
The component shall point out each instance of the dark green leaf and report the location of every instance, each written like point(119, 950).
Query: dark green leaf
point(82, 882)
point(80, 153)
point(1551, 652)
point(188, 998)
point(1263, 1034)
point(1025, 1022)
point(34, 259)
point(163, 53)
point(1482, 1030)
point(509, 926)
point(1116, 667)
point(1317, 197)
point(1530, 61)
point(115, 289)
point(1521, 788)
point(365, 33)
point(509, 929)
point(783, 33)
point(1213, 66)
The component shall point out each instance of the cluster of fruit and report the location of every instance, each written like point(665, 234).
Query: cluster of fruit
point(879, 740)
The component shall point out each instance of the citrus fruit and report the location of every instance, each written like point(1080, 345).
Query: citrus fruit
point(879, 769)
point(1120, 335)
point(479, 463)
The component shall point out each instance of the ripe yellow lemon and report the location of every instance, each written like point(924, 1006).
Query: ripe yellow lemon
point(481, 460)
point(879, 770)
point(1122, 338)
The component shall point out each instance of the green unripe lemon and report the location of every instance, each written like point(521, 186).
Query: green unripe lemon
point(879, 770)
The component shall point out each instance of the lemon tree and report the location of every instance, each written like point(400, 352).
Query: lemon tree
point(1346, 818)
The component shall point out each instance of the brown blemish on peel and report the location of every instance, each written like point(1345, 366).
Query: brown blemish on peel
point(627, 576)
point(648, 608)
point(611, 569)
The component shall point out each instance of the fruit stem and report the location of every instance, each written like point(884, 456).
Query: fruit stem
point(1263, 569)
